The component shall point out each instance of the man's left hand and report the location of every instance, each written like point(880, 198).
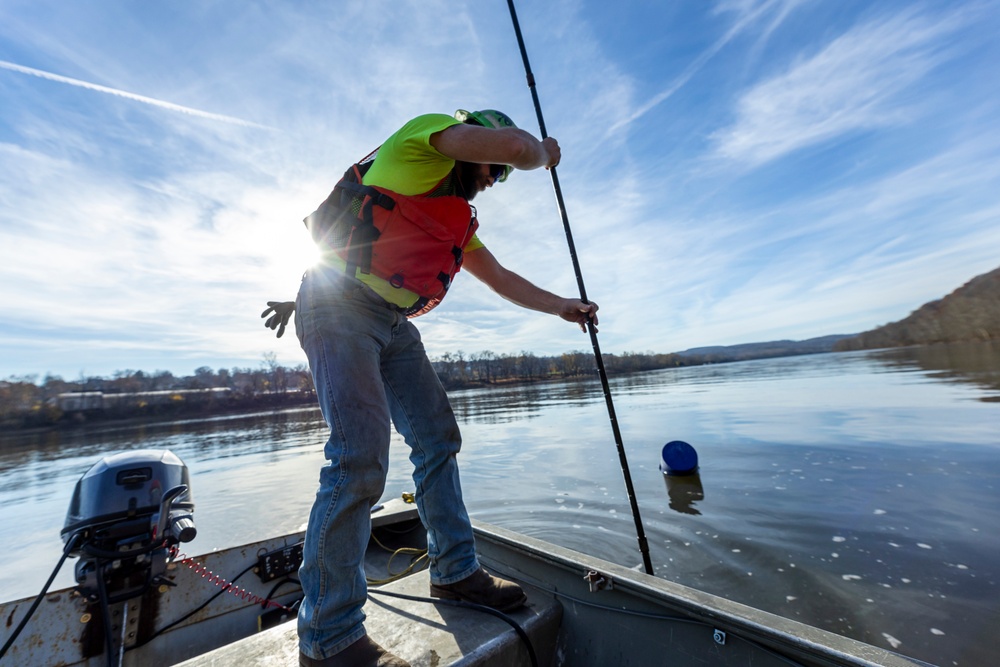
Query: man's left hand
point(280, 312)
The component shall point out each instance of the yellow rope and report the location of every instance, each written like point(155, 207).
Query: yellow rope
point(418, 556)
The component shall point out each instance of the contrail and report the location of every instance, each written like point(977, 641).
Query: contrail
point(130, 96)
point(698, 63)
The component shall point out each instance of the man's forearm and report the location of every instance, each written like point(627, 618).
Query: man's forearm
point(483, 265)
point(526, 294)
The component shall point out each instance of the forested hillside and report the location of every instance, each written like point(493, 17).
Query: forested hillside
point(972, 312)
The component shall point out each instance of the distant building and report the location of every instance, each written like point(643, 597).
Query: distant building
point(85, 401)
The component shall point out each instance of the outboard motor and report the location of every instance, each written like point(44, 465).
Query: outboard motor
point(126, 514)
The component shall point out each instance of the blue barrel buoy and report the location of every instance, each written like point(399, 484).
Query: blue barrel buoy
point(678, 458)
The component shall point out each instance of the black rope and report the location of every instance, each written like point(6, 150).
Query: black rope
point(469, 605)
point(70, 544)
point(623, 460)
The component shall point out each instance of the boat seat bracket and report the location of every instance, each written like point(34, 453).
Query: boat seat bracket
point(597, 581)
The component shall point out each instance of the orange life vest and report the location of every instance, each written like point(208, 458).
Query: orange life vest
point(411, 241)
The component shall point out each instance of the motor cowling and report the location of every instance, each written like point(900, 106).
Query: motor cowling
point(125, 516)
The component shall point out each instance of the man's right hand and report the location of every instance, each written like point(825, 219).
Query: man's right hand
point(552, 149)
point(282, 311)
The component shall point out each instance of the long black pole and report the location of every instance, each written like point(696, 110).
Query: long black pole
point(640, 533)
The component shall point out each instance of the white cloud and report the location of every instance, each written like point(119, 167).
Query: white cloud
point(140, 234)
point(851, 84)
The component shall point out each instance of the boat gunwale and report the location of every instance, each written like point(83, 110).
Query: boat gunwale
point(782, 635)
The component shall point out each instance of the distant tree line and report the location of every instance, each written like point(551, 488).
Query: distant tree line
point(26, 402)
point(457, 370)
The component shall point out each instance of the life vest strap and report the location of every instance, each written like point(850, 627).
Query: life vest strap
point(359, 255)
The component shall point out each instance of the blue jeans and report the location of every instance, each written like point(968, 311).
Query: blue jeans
point(369, 365)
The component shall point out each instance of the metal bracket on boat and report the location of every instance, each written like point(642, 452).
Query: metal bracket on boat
point(719, 636)
point(598, 581)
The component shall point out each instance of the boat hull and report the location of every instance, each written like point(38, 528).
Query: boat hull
point(582, 611)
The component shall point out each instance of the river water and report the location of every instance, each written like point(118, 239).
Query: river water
point(857, 492)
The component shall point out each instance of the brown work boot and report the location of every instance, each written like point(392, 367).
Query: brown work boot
point(482, 588)
point(362, 653)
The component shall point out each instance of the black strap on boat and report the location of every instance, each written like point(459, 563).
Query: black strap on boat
point(640, 533)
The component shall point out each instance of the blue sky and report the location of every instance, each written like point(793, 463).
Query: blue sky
point(734, 171)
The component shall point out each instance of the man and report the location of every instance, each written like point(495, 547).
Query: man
point(369, 365)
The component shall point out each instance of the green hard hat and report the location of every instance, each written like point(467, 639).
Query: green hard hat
point(492, 119)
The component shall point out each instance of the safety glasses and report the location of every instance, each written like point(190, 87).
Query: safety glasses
point(499, 172)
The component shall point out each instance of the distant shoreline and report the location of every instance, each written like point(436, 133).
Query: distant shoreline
point(208, 405)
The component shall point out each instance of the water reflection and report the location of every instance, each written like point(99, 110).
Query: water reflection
point(505, 404)
point(684, 491)
point(974, 363)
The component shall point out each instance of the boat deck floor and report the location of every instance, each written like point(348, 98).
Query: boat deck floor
point(423, 633)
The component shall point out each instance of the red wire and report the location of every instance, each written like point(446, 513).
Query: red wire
point(221, 582)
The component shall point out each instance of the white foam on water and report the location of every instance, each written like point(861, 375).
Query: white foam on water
point(905, 580)
point(790, 598)
point(893, 544)
point(879, 512)
point(962, 567)
point(895, 643)
point(838, 538)
point(736, 551)
point(851, 577)
point(924, 546)
point(835, 554)
point(935, 631)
